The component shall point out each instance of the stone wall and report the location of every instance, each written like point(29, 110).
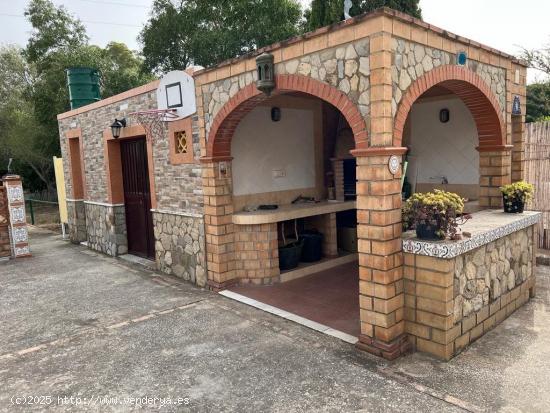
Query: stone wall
point(106, 228)
point(412, 60)
point(180, 246)
point(76, 213)
point(177, 187)
point(346, 67)
point(452, 302)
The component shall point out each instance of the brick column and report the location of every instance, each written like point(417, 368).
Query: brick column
point(338, 171)
point(380, 253)
point(518, 152)
point(17, 216)
point(494, 171)
point(219, 228)
point(326, 224)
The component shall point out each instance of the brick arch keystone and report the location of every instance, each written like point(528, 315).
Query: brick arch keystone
point(472, 90)
point(227, 119)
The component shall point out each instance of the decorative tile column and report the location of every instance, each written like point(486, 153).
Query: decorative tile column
point(5, 245)
point(218, 221)
point(494, 171)
point(17, 216)
point(380, 252)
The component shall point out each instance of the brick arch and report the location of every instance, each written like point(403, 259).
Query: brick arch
point(227, 119)
point(472, 90)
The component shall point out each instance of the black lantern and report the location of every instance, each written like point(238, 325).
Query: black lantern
point(266, 75)
point(444, 115)
point(275, 114)
point(117, 126)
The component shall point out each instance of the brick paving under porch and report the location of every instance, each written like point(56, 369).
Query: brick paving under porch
point(329, 297)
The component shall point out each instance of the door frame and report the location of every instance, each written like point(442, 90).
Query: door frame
point(113, 163)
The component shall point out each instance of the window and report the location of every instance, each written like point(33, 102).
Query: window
point(180, 133)
point(181, 141)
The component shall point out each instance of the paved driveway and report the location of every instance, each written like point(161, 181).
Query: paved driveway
point(82, 331)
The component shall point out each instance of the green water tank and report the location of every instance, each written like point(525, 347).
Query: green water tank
point(83, 85)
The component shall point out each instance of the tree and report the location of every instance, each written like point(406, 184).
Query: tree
point(326, 12)
point(54, 29)
point(33, 86)
point(538, 102)
point(205, 32)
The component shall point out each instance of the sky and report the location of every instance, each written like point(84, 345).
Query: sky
point(506, 25)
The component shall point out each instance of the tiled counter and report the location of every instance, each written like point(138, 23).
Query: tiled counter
point(455, 291)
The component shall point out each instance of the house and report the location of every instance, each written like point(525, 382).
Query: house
point(350, 105)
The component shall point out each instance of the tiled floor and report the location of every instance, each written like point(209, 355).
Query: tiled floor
point(329, 297)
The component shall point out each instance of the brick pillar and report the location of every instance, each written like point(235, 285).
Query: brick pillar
point(219, 228)
point(518, 152)
point(494, 171)
point(17, 216)
point(326, 224)
point(380, 253)
point(338, 171)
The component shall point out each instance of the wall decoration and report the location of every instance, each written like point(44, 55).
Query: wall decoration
point(393, 164)
point(516, 106)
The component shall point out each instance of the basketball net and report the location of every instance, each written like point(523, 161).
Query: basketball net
point(154, 121)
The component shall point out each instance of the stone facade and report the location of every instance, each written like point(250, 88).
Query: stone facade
point(76, 213)
point(180, 246)
point(346, 68)
point(452, 302)
point(106, 228)
point(483, 275)
point(413, 60)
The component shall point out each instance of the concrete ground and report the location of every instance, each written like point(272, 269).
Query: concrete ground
point(78, 324)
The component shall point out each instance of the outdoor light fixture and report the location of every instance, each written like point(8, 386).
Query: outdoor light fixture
point(266, 75)
point(444, 115)
point(275, 114)
point(117, 126)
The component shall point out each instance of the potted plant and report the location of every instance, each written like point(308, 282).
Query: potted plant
point(515, 196)
point(434, 215)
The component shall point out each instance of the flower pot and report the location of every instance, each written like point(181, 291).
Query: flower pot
point(513, 205)
point(289, 255)
point(427, 232)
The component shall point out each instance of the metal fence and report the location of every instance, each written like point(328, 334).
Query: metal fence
point(537, 172)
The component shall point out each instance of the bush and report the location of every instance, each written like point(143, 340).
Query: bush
point(440, 209)
point(518, 191)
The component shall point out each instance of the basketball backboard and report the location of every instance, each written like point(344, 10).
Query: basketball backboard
point(176, 91)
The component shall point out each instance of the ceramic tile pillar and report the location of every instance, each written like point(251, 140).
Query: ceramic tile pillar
point(5, 244)
point(380, 252)
point(17, 217)
point(218, 221)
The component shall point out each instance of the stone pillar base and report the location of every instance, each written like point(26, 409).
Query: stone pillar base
point(388, 350)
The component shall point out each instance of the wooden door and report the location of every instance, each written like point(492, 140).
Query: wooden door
point(137, 197)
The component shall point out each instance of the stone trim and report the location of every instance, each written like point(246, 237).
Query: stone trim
point(451, 249)
point(74, 200)
point(105, 204)
point(181, 214)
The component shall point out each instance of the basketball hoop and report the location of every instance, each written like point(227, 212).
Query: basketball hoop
point(154, 121)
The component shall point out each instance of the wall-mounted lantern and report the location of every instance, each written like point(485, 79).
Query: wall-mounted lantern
point(275, 114)
point(444, 115)
point(117, 126)
point(266, 75)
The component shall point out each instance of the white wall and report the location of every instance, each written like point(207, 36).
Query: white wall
point(443, 149)
point(260, 146)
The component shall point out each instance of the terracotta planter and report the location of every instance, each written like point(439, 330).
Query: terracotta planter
point(427, 232)
point(515, 206)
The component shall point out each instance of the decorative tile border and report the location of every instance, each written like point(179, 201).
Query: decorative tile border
point(451, 249)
